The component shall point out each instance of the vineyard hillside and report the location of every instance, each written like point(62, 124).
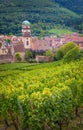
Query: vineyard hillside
point(45, 96)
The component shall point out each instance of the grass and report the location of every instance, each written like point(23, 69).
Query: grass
point(58, 30)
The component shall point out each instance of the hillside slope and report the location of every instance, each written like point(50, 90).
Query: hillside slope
point(74, 5)
point(43, 15)
point(40, 94)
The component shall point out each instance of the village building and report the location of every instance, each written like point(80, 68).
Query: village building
point(10, 45)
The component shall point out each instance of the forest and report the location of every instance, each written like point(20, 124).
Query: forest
point(43, 16)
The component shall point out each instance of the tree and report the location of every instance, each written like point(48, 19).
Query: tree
point(28, 55)
point(72, 54)
point(63, 50)
point(68, 47)
point(49, 53)
point(80, 54)
point(8, 41)
point(59, 54)
point(18, 57)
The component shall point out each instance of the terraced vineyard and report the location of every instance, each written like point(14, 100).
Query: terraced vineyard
point(44, 96)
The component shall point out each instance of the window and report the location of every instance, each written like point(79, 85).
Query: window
point(27, 43)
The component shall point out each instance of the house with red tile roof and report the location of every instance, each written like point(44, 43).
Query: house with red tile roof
point(74, 38)
point(10, 45)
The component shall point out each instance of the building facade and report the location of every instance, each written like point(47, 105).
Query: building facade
point(10, 45)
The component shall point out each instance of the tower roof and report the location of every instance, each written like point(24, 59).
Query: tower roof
point(26, 23)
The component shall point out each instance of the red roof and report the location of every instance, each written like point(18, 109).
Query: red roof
point(19, 47)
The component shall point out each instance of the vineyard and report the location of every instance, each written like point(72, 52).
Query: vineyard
point(46, 96)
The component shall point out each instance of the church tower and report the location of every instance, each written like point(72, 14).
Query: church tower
point(26, 34)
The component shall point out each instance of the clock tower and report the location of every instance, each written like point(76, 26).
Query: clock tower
point(26, 34)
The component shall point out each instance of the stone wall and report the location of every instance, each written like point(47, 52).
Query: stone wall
point(6, 59)
point(44, 59)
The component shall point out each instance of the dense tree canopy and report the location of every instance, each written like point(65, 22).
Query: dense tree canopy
point(43, 15)
point(69, 52)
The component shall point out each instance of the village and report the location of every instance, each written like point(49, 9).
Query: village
point(10, 45)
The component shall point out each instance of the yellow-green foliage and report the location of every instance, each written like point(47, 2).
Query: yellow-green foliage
point(66, 50)
point(18, 56)
point(49, 53)
point(72, 54)
point(40, 95)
